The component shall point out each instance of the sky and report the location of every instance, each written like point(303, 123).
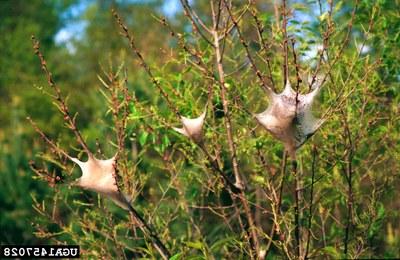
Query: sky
point(75, 28)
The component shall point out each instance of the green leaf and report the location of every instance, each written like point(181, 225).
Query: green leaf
point(49, 158)
point(265, 17)
point(176, 256)
point(323, 17)
point(165, 141)
point(143, 138)
point(381, 211)
point(197, 245)
point(220, 243)
point(299, 6)
point(258, 179)
point(338, 6)
point(331, 251)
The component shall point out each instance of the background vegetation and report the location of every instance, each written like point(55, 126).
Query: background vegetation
point(172, 184)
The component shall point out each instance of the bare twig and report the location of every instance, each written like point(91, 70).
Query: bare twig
point(143, 63)
point(297, 214)
point(349, 175)
point(325, 43)
point(232, 146)
point(228, 127)
point(345, 42)
point(263, 83)
point(195, 20)
point(149, 232)
point(297, 67)
point(70, 121)
point(47, 139)
point(265, 46)
point(285, 44)
point(310, 208)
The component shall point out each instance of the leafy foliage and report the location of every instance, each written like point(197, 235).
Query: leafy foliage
point(347, 174)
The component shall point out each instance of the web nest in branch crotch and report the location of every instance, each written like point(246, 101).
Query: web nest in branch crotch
point(289, 117)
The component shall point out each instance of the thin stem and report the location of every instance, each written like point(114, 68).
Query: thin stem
point(150, 233)
point(278, 206)
point(260, 77)
point(203, 67)
point(345, 42)
point(349, 174)
point(311, 201)
point(116, 88)
point(59, 98)
point(228, 126)
point(230, 27)
point(205, 70)
point(297, 66)
point(198, 61)
point(214, 165)
point(285, 44)
point(227, 118)
point(356, 58)
point(47, 139)
point(283, 171)
point(195, 17)
point(143, 63)
point(297, 209)
point(265, 47)
point(325, 43)
point(194, 20)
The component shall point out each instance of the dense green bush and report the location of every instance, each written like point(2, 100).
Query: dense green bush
point(336, 197)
